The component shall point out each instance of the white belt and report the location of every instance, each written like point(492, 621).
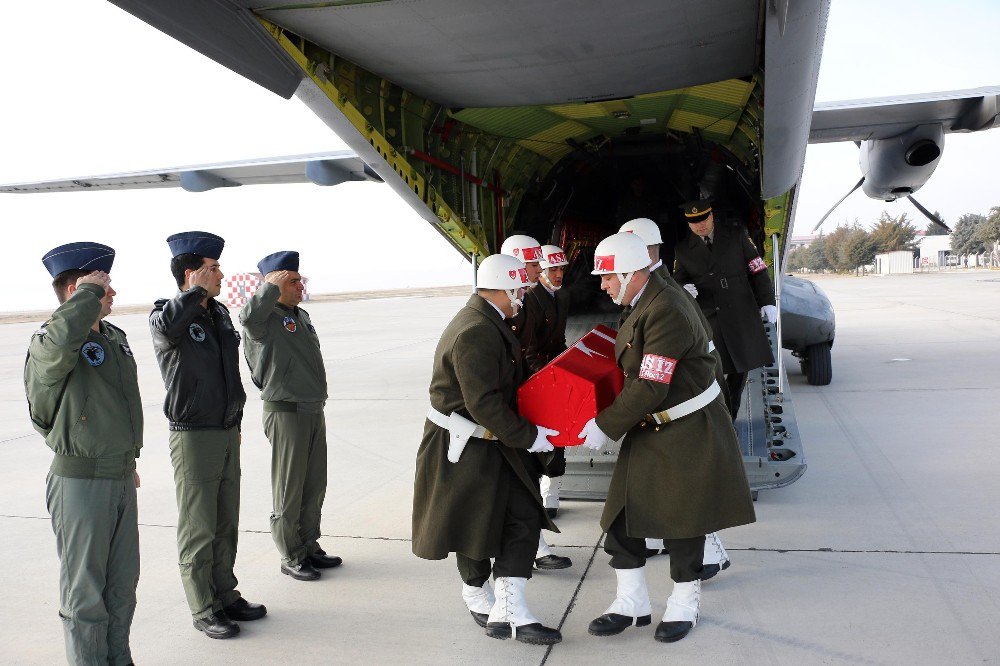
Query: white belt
point(461, 430)
point(691, 406)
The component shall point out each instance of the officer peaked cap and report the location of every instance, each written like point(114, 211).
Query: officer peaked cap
point(696, 211)
point(200, 243)
point(79, 256)
point(286, 260)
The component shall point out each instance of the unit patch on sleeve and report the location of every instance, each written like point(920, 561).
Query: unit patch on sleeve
point(657, 368)
point(126, 349)
point(756, 265)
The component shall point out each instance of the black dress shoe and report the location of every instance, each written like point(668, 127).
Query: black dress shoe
point(217, 625)
point(668, 632)
point(534, 633)
point(242, 610)
point(653, 552)
point(321, 560)
point(301, 571)
point(553, 562)
point(611, 624)
point(480, 618)
point(551, 512)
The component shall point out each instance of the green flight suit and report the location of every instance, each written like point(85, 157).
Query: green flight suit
point(83, 397)
point(283, 352)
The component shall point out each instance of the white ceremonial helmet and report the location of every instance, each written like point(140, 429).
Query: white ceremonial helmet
point(500, 271)
point(522, 247)
point(552, 255)
point(644, 228)
point(622, 254)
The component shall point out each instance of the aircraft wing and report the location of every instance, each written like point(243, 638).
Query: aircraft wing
point(886, 117)
point(331, 168)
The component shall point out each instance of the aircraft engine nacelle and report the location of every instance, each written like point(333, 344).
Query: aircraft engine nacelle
point(899, 166)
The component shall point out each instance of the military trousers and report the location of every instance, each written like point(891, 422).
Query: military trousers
point(686, 555)
point(298, 476)
point(522, 526)
point(97, 539)
point(207, 483)
point(735, 381)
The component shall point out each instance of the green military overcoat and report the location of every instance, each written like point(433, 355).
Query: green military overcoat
point(733, 284)
point(685, 478)
point(459, 507)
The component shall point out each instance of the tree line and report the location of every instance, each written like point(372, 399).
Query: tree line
point(851, 245)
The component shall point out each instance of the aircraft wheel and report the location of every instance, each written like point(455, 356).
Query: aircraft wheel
point(818, 367)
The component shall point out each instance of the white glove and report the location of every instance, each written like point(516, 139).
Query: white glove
point(542, 443)
point(691, 289)
point(770, 313)
point(594, 438)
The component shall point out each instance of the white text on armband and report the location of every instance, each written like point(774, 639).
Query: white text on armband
point(657, 368)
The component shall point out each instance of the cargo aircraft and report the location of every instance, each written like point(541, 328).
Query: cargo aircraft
point(543, 117)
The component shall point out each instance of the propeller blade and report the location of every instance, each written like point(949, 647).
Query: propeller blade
point(840, 201)
point(929, 215)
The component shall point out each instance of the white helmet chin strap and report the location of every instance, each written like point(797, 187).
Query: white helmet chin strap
point(515, 303)
point(551, 287)
point(624, 278)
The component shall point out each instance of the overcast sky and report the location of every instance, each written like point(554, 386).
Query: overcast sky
point(88, 90)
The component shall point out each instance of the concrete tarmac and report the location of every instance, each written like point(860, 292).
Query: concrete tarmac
point(886, 551)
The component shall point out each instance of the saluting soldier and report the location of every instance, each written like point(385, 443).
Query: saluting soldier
point(474, 494)
point(545, 338)
point(679, 473)
point(197, 349)
point(524, 325)
point(282, 350)
point(722, 269)
point(83, 397)
point(716, 558)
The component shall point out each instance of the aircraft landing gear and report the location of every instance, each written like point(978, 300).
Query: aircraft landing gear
point(817, 364)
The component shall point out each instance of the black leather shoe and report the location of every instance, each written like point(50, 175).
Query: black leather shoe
point(653, 552)
point(711, 570)
point(611, 624)
point(321, 560)
point(553, 562)
point(242, 610)
point(301, 571)
point(217, 625)
point(668, 632)
point(551, 513)
point(480, 618)
point(534, 633)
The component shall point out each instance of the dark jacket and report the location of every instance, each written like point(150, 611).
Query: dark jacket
point(684, 478)
point(459, 507)
point(545, 336)
point(733, 284)
point(197, 350)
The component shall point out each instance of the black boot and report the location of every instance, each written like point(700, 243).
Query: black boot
point(534, 634)
point(217, 625)
point(611, 624)
point(301, 571)
point(242, 610)
point(668, 632)
point(553, 562)
point(480, 618)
